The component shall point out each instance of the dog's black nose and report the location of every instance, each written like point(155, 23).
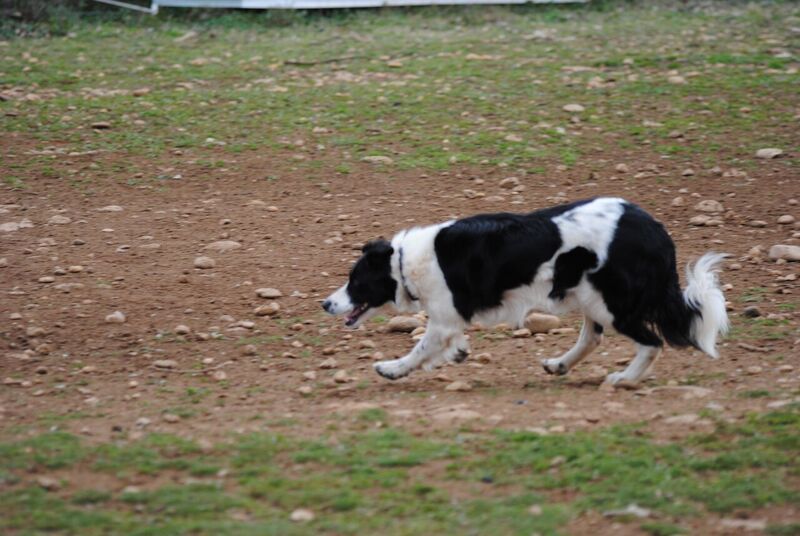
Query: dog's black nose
point(327, 305)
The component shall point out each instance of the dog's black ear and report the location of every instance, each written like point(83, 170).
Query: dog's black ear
point(379, 250)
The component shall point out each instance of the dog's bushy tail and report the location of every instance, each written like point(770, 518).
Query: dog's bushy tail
point(704, 295)
point(697, 316)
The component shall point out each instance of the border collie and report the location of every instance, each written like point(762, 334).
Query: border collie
point(605, 257)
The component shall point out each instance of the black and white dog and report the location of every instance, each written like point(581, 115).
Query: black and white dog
point(605, 257)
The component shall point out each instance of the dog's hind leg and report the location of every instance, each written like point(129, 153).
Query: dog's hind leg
point(591, 336)
point(645, 356)
point(648, 345)
point(432, 346)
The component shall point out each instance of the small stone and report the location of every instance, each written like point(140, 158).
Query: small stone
point(688, 172)
point(458, 386)
point(709, 205)
point(573, 108)
point(302, 515)
point(562, 331)
point(59, 220)
point(269, 309)
point(329, 363)
point(269, 293)
point(622, 168)
point(249, 349)
point(689, 418)
point(101, 125)
point(509, 182)
point(403, 324)
point(535, 510)
point(786, 219)
point(541, 323)
point(341, 376)
point(754, 525)
point(3, 262)
point(632, 510)
point(455, 415)
point(182, 330)
point(675, 79)
point(305, 390)
point(171, 417)
point(110, 208)
point(678, 202)
point(757, 223)
point(484, 357)
point(754, 370)
point(768, 153)
point(366, 344)
point(785, 252)
point(35, 331)
point(785, 368)
point(204, 263)
point(699, 220)
point(75, 269)
point(48, 483)
point(521, 333)
point(310, 375)
point(219, 375)
point(377, 160)
point(751, 312)
point(222, 246)
point(165, 364)
point(142, 422)
point(47, 279)
point(117, 317)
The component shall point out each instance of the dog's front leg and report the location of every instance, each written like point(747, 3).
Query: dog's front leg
point(456, 350)
point(432, 345)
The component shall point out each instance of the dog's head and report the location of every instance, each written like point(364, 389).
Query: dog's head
point(370, 286)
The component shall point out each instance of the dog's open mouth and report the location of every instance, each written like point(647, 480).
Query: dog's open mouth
point(353, 317)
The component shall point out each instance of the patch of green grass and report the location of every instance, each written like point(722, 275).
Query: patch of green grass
point(762, 328)
point(90, 496)
point(454, 101)
point(15, 183)
point(790, 529)
point(755, 393)
point(53, 450)
point(388, 480)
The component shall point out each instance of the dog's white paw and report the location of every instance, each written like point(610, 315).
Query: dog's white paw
point(391, 370)
point(554, 366)
point(620, 378)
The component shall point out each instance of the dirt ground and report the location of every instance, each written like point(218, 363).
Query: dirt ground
point(62, 356)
